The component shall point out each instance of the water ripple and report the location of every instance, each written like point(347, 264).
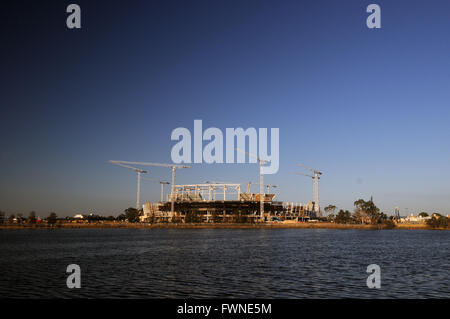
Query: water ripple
point(224, 263)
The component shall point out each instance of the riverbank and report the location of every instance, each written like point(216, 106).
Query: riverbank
point(304, 225)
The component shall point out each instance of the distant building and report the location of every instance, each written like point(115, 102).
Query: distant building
point(414, 219)
point(78, 216)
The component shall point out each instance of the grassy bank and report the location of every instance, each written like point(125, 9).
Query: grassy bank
point(212, 226)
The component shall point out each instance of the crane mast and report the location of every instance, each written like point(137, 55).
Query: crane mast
point(261, 181)
point(173, 167)
point(315, 177)
point(160, 182)
point(139, 172)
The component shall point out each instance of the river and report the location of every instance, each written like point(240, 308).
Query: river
point(223, 263)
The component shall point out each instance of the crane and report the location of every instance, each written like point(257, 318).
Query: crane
point(269, 186)
point(172, 166)
point(315, 178)
point(139, 172)
point(160, 182)
point(261, 181)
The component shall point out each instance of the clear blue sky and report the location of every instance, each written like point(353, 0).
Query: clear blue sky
point(370, 108)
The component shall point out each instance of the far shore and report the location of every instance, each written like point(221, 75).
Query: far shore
point(304, 225)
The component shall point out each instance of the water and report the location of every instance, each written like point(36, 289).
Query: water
point(240, 263)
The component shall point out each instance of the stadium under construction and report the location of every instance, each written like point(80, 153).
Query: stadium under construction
point(223, 202)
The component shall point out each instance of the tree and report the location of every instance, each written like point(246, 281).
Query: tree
point(132, 215)
point(438, 222)
point(2, 217)
point(386, 220)
point(382, 217)
point(94, 218)
point(11, 218)
point(330, 209)
point(331, 217)
point(373, 211)
point(343, 217)
point(121, 217)
point(32, 218)
point(51, 219)
point(369, 209)
point(359, 215)
point(423, 214)
point(388, 223)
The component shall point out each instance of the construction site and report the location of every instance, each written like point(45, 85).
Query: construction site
point(214, 202)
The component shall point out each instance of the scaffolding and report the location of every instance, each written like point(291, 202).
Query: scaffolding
point(204, 192)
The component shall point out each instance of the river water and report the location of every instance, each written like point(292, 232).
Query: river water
point(222, 263)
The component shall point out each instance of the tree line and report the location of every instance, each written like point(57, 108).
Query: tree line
point(53, 218)
point(30, 219)
point(366, 212)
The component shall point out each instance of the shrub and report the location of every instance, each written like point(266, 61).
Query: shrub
point(438, 222)
point(388, 224)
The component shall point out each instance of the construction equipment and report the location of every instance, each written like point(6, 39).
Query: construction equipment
point(160, 182)
point(172, 166)
point(139, 172)
point(261, 181)
point(315, 178)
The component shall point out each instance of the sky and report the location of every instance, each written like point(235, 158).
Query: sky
point(367, 107)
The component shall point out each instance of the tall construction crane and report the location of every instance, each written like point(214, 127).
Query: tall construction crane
point(160, 182)
point(261, 181)
point(139, 172)
point(315, 178)
point(172, 166)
